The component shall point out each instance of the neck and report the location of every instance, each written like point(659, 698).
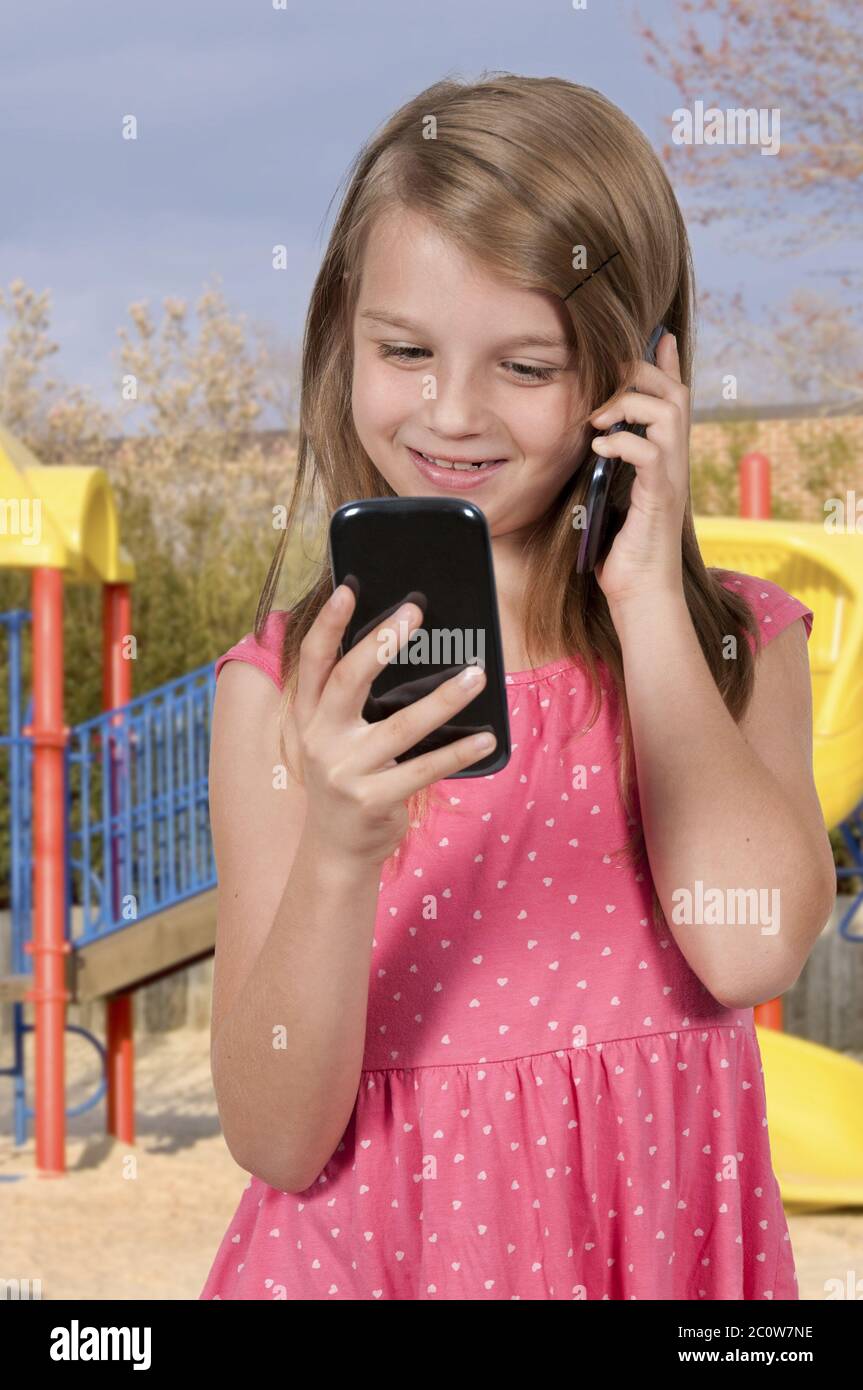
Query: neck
point(510, 572)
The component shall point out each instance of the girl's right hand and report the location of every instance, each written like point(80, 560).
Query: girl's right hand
point(356, 792)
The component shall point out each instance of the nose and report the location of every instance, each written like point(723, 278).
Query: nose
point(454, 405)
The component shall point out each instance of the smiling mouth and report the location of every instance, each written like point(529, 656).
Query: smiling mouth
point(459, 465)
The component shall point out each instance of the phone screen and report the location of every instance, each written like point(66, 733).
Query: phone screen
point(435, 552)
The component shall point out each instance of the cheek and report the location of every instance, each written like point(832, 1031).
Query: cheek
point(544, 422)
point(380, 397)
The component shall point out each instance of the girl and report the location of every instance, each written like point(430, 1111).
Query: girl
point(465, 1038)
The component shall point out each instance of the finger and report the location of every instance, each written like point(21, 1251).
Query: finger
point(319, 649)
point(408, 726)
point(657, 381)
point(662, 379)
point(668, 357)
point(413, 597)
point(401, 781)
point(638, 408)
point(347, 689)
point(643, 454)
point(408, 692)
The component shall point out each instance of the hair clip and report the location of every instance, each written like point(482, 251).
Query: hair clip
point(590, 276)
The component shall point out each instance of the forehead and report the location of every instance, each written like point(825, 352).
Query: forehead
point(413, 269)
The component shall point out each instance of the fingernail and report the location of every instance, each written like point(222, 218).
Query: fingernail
point(473, 673)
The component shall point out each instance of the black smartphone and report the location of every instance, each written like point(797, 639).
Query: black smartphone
point(435, 552)
point(602, 520)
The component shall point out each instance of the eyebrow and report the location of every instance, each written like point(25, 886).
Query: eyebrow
point(385, 316)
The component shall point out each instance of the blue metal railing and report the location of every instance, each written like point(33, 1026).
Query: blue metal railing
point(852, 834)
point(17, 764)
point(137, 818)
point(136, 798)
point(139, 826)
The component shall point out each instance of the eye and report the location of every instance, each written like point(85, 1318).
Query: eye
point(521, 370)
point(398, 350)
point(530, 373)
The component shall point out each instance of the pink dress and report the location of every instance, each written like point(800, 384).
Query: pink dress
point(552, 1105)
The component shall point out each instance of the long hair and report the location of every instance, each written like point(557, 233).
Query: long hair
point(520, 170)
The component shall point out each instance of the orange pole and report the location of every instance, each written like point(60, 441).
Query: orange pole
point(755, 487)
point(49, 946)
point(120, 1048)
point(119, 1036)
point(755, 504)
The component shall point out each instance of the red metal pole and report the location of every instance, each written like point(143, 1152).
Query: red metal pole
point(755, 505)
point(116, 691)
point(49, 946)
point(755, 487)
point(120, 1048)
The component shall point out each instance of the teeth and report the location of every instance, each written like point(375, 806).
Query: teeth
point(459, 467)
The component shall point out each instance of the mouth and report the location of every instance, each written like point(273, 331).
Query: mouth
point(449, 471)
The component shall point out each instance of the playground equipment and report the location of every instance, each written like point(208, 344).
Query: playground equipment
point(825, 571)
point(815, 1108)
point(112, 869)
point(111, 814)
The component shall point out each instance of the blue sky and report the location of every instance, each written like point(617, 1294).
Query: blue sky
point(248, 119)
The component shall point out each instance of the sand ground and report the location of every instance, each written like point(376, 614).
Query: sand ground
point(144, 1222)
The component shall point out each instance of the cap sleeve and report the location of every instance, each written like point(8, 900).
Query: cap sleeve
point(264, 653)
point(774, 608)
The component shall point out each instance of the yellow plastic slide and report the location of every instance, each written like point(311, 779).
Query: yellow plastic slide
point(815, 1121)
point(825, 570)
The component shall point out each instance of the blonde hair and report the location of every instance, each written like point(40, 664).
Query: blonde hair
point(519, 172)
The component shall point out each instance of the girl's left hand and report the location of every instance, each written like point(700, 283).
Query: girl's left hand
point(645, 556)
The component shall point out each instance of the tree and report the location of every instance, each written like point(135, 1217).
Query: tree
point(196, 401)
point(59, 423)
point(280, 363)
point(801, 58)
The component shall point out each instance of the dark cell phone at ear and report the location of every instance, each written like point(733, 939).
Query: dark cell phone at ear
point(602, 522)
point(435, 552)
